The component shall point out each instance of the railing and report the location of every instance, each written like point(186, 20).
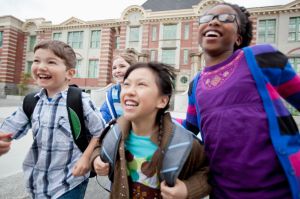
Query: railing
point(98, 96)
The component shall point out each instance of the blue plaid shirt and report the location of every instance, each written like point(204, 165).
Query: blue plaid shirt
point(53, 154)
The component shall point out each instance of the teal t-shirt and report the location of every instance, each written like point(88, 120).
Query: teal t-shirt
point(139, 151)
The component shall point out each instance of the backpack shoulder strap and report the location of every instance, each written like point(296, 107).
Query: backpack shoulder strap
point(109, 141)
point(29, 103)
point(174, 159)
point(76, 117)
point(176, 154)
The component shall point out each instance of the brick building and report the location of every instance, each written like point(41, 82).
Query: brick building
point(160, 30)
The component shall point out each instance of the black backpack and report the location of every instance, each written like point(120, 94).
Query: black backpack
point(80, 133)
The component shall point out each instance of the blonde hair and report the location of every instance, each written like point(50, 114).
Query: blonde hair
point(130, 56)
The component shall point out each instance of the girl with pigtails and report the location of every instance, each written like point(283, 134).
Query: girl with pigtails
point(152, 147)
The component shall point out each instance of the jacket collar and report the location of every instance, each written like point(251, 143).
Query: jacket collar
point(125, 127)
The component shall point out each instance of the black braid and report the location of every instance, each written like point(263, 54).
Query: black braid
point(160, 131)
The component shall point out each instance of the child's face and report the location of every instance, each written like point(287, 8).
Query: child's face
point(119, 69)
point(217, 37)
point(50, 71)
point(140, 96)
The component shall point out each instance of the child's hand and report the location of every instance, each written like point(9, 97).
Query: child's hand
point(81, 167)
point(5, 139)
point(101, 168)
point(179, 191)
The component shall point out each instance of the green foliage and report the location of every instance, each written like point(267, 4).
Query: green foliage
point(23, 85)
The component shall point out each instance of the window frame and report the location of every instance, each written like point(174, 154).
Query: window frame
point(296, 31)
point(185, 56)
point(266, 31)
point(54, 36)
point(93, 64)
point(154, 33)
point(166, 58)
point(78, 68)
point(186, 32)
point(31, 43)
point(168, 33)
point(78, 43)
point(95, 39)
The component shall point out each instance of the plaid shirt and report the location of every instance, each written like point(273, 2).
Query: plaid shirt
point(53, 154)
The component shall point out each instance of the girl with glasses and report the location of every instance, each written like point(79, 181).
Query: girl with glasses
point(250, 138)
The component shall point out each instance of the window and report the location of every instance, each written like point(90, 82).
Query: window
point(134, 18)
point(186, 31)
point(185, 56)
point(134, 34)
point(75, 39)
point(184, 79)
point(93, 69)
point(32, 41)
point(57, 36)
point(267, 31)
point(152, 55)
point(28, 67)
point(1, 38)
point(168, 56)
point(294, 29)
point(77, 68)
point(117, 42)
point(95, 39)
point(154, 33)
point(169, 31)
point(295, 62)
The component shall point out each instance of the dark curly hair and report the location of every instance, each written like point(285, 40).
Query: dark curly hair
point(245, 26)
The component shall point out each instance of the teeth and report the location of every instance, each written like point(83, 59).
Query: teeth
point(130, 103)
point(212, 33)
point(42, 76)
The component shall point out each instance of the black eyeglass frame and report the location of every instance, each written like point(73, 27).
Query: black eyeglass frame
point(225, 20)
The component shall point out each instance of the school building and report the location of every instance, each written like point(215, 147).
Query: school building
point(160, 30)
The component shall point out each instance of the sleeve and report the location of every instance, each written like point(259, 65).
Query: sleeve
point(105, 109)
point(289, 86)
point(92, 117)
point(196, 170)
point(94, 155)
point(17, 124)
point(281, 75)
point(191, 121)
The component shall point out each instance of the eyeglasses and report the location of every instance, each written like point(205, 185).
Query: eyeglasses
point(224, 18)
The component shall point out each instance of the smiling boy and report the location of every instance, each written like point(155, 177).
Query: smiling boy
point(54, 166)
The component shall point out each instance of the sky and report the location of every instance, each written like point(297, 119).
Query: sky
point(59, 11)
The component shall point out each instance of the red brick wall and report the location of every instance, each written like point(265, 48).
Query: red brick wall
point(44, 35)
point(106, 55)
point(154, 44)
point(9, 56)
point(19, 57)
point(185, 44)
point(123, 36)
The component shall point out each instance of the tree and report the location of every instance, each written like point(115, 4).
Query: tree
point(23, 85)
